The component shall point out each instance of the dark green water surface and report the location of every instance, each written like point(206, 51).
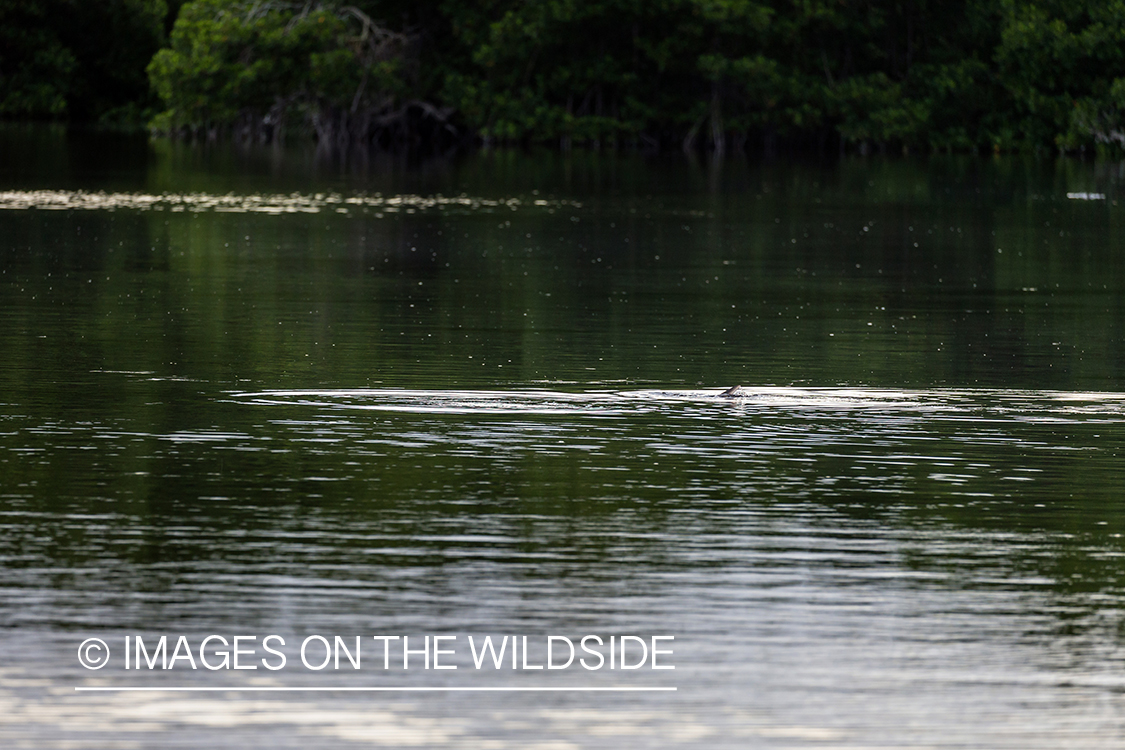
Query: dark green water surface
point(250, 392)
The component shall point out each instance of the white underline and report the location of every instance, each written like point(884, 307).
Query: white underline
point(532, 689)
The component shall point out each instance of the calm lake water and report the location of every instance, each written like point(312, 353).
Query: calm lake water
point(253, 392)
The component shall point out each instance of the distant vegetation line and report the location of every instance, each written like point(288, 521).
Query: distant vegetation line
point(721, 75)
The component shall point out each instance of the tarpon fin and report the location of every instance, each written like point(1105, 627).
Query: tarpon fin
point(733, 392)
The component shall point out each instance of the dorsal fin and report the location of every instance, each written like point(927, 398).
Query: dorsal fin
point(732, 392)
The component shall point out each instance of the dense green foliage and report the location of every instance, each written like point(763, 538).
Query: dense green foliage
point(720, 74)
point(710, 70)
point(262, 66)
point(77, 59)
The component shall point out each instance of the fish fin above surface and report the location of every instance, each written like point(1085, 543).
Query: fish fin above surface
point(733, 392)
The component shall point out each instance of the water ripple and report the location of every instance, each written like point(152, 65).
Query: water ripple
point(974, 405)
